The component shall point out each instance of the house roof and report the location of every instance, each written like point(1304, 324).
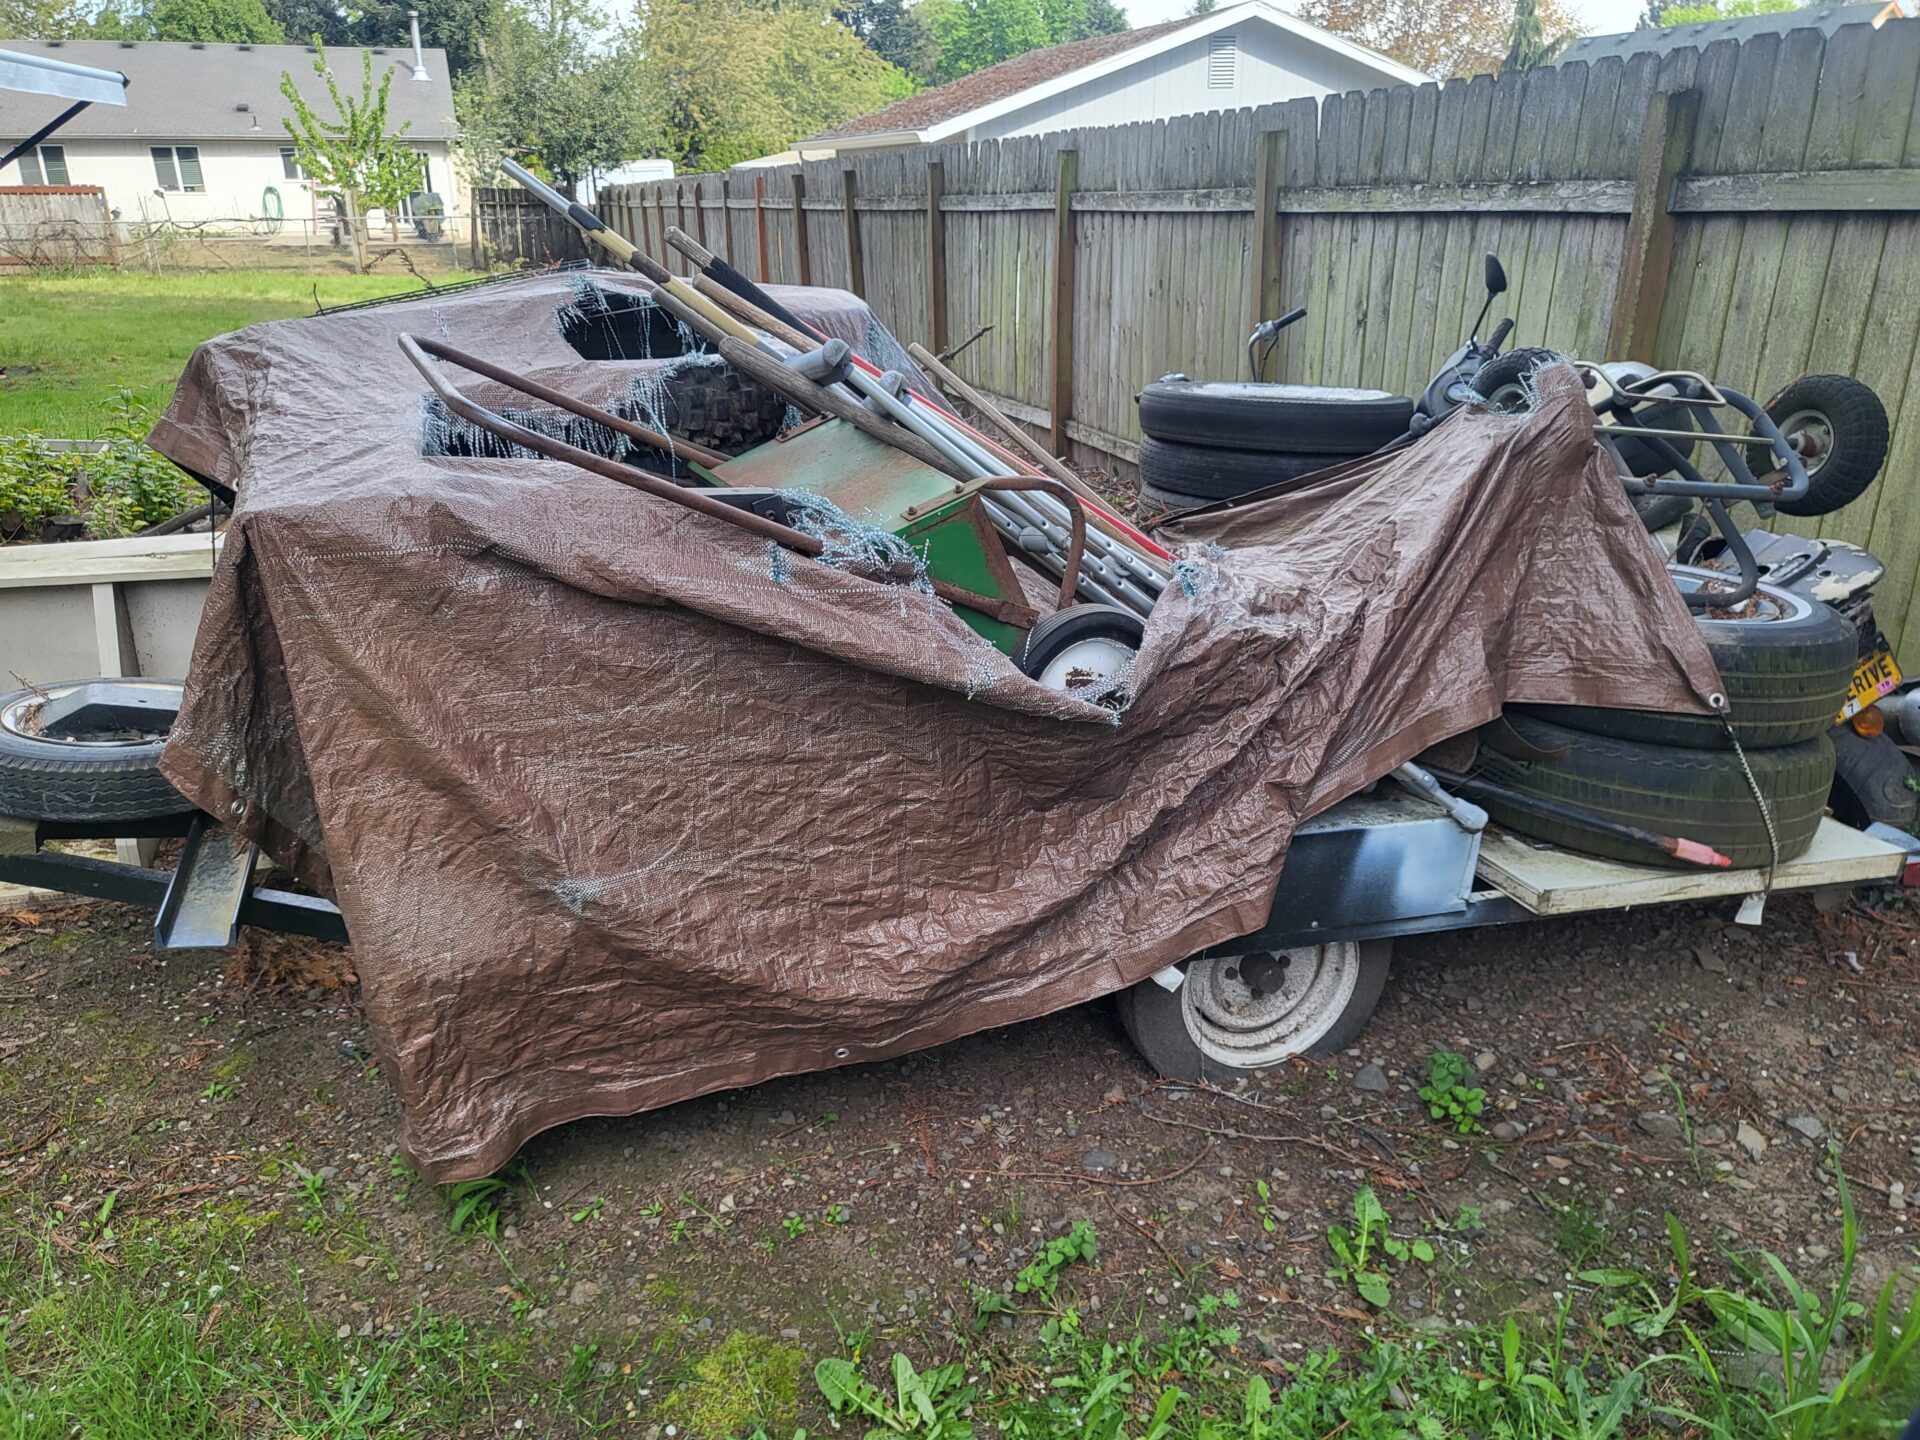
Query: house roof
point(178, 91)
point(948, 109)
point(1825, 18)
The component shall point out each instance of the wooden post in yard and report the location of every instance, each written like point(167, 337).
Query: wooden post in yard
point(936, 257)
point(856, 263)
point(1666, 145)
point(760, 223)
point(1269, 163)
point(1060, 322)
point(802, 259)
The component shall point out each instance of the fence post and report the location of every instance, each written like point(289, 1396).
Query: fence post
point(936, 257)
point(760, 224)
point(1666, 146)
point(1269, 161)
point(665, 256)
point(856, 263)
point(801, 258)
point(1060, 385)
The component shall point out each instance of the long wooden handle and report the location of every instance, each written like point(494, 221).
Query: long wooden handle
point(931, 364)
point(689, 247)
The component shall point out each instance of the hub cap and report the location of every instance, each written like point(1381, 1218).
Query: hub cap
point(1097, 669)
point(1255, 1010)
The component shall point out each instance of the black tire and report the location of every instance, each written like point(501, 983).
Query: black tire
point(1290, 419)
point(80, 772)
point(1785, 679)
point(1154, 500)
point(1156, 1020)
point(1502, 381)
point(1851, 424)
point(1049, 640)
point(1699, 795)
point(1870, 781)
point(1217, 473)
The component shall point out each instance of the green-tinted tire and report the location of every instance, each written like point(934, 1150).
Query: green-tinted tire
point(1699, 795)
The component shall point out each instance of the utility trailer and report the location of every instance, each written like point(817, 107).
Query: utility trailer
point(1375, 867)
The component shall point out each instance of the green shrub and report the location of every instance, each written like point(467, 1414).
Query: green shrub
point(117, 491)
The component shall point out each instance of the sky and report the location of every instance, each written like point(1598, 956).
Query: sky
point(1598, 17)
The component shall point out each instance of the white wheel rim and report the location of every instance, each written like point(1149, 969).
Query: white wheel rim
point(1098, 663)
point(1235, 1026)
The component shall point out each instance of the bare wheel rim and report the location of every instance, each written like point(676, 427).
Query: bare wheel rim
point(1810, 434)
point(1253, 1010)
point(94, 714)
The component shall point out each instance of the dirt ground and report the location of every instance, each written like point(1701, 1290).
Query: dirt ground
point(1634, 1065)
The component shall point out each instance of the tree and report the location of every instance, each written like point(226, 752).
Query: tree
point(1202, 7)
point(1696, 14)
point(1528, 43)
point(210, 22)
point(973, 34)
point(729, 80)
point(895, 31)
point(452, 25)
point(353, 157)
point(1469, 37)
point(41, 20)
point(549, 89)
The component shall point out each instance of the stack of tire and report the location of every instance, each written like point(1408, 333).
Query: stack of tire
point(1204, 441)
point(1785, 663)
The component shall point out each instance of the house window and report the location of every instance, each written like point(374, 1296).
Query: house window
point(44, 165)
point(290, 164)
point(177, 167)
point(1221, 53)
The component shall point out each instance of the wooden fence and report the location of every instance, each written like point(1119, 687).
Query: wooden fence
point(1751, 210)
point(513, 225)
point(55, 225)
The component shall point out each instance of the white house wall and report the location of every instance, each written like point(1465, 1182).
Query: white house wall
point(1270, 66)
point(237, 175)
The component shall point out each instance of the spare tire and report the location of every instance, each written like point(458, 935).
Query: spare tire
point(1217, 473)
point(1700, 795)
point(1155, 501)
point(1294, 419)
point(1785, 668)
point(88, 751)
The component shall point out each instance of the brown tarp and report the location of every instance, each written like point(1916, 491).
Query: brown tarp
point(620, 811)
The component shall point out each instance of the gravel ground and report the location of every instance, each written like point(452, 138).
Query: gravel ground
point(1633, 1065)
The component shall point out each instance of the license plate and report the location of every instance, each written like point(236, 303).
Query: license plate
point(1874, 676)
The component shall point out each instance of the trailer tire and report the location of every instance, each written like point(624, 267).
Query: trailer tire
point(1850, 424)
point(1218, 1031)
point(1214, 472)
point(68, 777)
point(1785, 669)
point(1699, 795)
point(1286, 419)
point(1154, 500)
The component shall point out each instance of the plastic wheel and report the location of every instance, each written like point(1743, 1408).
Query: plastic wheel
point(1087, 651)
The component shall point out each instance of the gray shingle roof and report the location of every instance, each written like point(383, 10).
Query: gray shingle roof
point(1825, 18)
point(178, 91)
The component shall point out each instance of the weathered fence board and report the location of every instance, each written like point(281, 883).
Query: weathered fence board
point(1751, 210)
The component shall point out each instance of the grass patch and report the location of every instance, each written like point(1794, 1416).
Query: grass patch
point(745, 1382)
point(88, 334)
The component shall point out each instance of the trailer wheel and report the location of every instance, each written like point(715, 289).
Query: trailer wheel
point(88, 750)
point(1235, 1014)
point(1840, 427)
point(1216, 472)
point(1155, 503)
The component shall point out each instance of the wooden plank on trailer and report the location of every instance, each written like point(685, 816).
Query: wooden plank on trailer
point(1551, 881)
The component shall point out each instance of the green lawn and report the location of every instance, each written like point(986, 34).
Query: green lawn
point(86, 335)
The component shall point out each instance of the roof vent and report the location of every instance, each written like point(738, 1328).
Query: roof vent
point(242, 108)
point(198, 45)
point(126, 44)
point(55, 44)
point(243, 47)
point(379, 49)
point(1222, 50)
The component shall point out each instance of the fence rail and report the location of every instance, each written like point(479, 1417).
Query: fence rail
point(1751, 210)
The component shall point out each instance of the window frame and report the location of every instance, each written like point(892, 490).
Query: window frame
point(36, 170)
point(173, 179)
point(290, 164)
